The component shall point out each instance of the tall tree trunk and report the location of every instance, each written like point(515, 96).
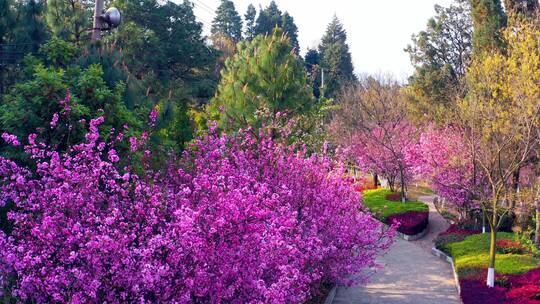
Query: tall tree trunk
point(375, 180)
point(492, 244)
point(402, 180)
point(537, 232)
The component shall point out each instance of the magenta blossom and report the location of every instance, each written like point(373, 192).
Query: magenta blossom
point(237, 220)
point(10, 139)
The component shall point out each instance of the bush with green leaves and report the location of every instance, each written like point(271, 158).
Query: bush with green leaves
point(263, 81)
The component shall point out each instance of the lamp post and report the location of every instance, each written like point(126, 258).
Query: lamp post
point(104, 20)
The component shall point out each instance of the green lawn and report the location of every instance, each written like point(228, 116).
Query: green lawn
point(375, 201)
point(473, 253)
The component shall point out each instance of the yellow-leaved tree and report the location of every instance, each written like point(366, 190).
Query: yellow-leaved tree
point(500, 118)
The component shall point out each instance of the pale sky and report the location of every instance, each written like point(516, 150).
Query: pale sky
point(378, 30)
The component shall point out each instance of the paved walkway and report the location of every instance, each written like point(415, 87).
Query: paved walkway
point(411, 274)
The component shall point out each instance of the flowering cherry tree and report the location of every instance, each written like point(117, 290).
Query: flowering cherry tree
point(236, 219)
point(371, 126)
point(444, 159)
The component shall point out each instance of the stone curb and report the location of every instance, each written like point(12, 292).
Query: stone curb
point(410, 238)
point(436, 252)
point(331, 295)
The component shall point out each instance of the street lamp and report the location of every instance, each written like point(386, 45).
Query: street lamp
point(110, 18)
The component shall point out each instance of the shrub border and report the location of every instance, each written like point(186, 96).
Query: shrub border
point(436, 252)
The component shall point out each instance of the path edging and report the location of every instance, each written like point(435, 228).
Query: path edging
point(410, 238)
point(443, 256)
point(331, 295)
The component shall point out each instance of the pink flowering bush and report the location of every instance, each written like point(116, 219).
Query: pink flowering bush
point(442, 158)
point(235, 220)
point(387, 152)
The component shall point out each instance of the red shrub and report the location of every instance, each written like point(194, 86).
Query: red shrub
point(476, 292)
point(518, 289)
point(509, 246)
point(527, 294)
point(395, 197)
point(412, 222)
point(454, 229)
point(362, 188)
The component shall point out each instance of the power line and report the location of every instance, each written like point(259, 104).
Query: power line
point(201, 3)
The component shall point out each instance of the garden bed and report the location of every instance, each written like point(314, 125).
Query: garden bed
point(413, 216)
point(517, 270)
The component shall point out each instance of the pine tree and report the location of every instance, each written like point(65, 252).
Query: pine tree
point(272, 17)
point(289, 27)
point(488, 20)
point(528, 8)
point(7, 20)
point(69, 20)
point(336, 58)
point(250, 16)
point(262, 80)
point(227, 21)
point(312, 62)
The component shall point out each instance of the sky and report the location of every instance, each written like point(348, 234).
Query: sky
point(378, 30)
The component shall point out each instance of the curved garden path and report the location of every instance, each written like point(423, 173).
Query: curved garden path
point(410, 273)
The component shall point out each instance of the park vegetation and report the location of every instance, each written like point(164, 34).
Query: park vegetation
point(159, 165)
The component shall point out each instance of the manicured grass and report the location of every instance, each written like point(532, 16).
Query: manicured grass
point(376, 202)
point(473, 253)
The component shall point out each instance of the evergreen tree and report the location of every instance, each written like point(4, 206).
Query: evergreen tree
point(440, 54)
point(33, 30)
point(30, 105)
point(7, 20)
point(336, 58)
point(527, 8)
point(289, 27)
point(250, 16)
point(312, 61)
point(272, 17)
point(488, 20)
point(227, 21)
point(262, 80)
point(70, 20)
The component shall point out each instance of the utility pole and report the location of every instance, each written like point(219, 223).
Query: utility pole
point(96, 30)
point(322, 89)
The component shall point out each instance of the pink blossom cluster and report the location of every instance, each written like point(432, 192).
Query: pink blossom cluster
point(444, 160)
point(236, 220)
point(386, 150)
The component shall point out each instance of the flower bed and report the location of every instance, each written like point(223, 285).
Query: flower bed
point(411, 223)
point(394, 197)
point(453, 234)
point(413, 216)
point(517, 278)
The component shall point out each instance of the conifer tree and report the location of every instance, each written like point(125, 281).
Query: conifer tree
point(528, 8)
point(69, 20)
point(6, 19)
point(261, 81)
point(250, 16)
point(227, 21)
point(488, 20)
point(336, 58)
point(312, 61)
point(272, 17)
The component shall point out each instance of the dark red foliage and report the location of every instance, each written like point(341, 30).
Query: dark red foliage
point(525, 288)
point(509, 246)
point(395, 197)
point(528, 294)
point(476, 292)
point(412, 222)
point(454, 229)
point(362, 188)
point(517, 289)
